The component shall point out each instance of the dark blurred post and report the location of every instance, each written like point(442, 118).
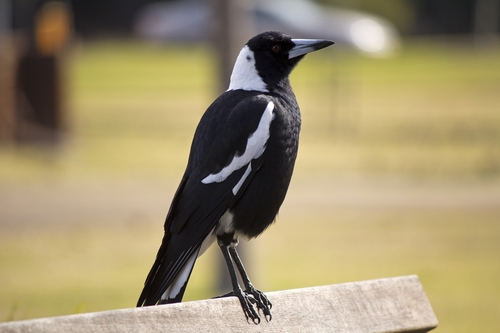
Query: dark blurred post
point(44, 30)
point(487, 21)
point(7, 65)
point(232, 28)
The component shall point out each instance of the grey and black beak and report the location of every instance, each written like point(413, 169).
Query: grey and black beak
point(304, 46)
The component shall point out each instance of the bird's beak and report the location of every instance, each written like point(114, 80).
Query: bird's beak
point(304, 46)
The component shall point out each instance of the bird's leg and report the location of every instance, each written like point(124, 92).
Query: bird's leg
point(245, 300)
point(260, 298)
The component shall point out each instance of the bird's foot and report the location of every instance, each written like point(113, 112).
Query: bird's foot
point(247, 300)
point(261, 301)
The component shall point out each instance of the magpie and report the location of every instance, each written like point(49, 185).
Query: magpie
point(239, 168)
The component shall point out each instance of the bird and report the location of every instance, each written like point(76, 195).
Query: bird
point(238, 172)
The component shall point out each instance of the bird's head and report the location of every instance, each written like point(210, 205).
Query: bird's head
point(269, 58)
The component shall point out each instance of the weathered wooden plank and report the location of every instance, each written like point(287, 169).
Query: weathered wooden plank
point(386, 305)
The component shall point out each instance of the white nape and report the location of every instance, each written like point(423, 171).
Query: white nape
point(245, 75)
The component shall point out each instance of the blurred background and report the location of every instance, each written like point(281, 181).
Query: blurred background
point(398, 170)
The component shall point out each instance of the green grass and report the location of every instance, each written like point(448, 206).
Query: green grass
point(427, 118)
point(430, 112)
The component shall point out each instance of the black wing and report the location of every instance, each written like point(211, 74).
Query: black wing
point(222, 159)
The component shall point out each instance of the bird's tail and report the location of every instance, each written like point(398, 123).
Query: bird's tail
point(167, 279)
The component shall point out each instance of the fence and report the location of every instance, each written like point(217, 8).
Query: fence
point(386, 305)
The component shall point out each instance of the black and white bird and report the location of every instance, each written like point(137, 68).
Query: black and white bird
point(239, 168)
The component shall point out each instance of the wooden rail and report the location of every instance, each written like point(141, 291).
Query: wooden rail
point(386, 305)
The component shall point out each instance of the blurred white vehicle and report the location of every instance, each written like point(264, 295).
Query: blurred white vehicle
point(190, 20)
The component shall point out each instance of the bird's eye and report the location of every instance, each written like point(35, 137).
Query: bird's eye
point(276, 48)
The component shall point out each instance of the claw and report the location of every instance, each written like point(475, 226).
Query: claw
point(261, 302)
point(246, 301)
point(256, 320)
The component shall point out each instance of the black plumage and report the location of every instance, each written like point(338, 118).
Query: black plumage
point(239, 168)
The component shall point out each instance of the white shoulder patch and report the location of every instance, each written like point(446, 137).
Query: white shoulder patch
point(245, 75)
point(256, 145)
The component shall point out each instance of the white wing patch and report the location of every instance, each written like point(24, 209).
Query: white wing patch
point(237, 187)
point(245, 75)
point(256, 145)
